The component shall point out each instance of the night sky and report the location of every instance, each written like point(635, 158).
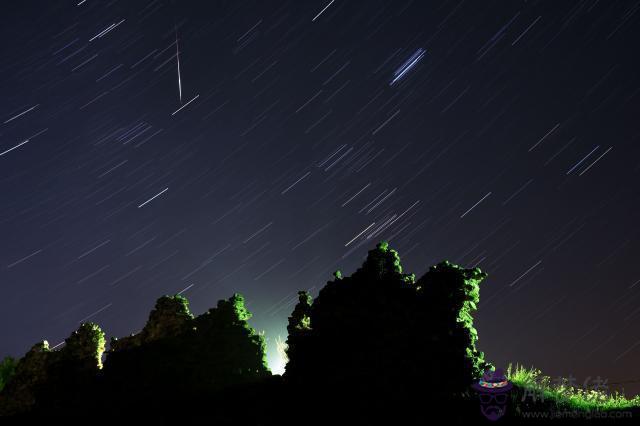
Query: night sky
point(279, 141)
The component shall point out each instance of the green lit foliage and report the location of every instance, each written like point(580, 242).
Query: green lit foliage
point(228, 313)
point(387, 332)
point(231, 341)
point(7, 369)
point(560, 395)
point(450, 295)
point(358, 327)
point(382, 263)
point(87, 344)
point(177, 354)
point(174, 357)
point(299, 327)
point(55, 378)
point(300, 321)
point(170, 317)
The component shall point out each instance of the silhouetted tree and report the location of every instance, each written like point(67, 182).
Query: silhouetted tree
point(19, 394)
point(169, 318)
point(86, 344)
point(449, 295)
point(229, 344)
point(177, 356)
point(55, 378)
point(380, 332)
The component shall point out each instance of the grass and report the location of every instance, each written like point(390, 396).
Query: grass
point(565, 396)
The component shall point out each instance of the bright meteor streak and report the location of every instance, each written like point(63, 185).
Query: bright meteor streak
point(178, 60)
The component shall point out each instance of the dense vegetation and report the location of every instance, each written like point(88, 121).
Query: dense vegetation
point(375, 343)
point(175, 356)
point(381, 329)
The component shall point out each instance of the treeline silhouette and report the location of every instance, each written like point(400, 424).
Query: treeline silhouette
point(375, 344)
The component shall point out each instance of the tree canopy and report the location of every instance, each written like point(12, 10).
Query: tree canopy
point(382, 331)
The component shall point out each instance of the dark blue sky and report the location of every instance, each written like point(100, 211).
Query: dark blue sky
point(512, 144)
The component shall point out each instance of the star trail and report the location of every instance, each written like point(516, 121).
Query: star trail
point(205, 148)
